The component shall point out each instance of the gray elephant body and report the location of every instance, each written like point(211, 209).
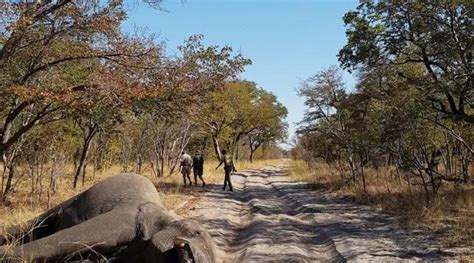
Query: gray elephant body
point(119, 219)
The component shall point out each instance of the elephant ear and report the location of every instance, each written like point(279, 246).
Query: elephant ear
point(151, 218)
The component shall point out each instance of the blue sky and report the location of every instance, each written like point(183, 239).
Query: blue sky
point(287, 40)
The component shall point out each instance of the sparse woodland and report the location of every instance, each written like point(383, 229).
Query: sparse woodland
point(407, 129)
point(79, 96)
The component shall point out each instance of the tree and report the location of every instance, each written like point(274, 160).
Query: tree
point(231, 115)
point(101, 117)
point(434, 34)
point(269, 124)
point(332, 113)
point(55, 54)
point(387, 121)
point(186, 82)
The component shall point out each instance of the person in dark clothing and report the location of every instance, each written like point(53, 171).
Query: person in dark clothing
point(198, 167)
point(228, 168)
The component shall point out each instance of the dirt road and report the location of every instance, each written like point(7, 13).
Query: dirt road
point(270, 218)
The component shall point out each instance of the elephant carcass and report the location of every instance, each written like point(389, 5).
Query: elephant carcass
point(119, 219)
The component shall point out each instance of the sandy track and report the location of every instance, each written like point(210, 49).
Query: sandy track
point(270, 218)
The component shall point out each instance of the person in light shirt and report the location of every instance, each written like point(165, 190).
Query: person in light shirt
point(185, 167)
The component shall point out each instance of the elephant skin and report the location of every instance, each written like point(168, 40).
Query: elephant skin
point(120, 219)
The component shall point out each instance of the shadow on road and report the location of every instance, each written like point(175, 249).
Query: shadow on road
point(275, 213)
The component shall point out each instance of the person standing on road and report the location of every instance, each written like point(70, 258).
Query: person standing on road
point(198, 167)
point(185, 167)
point(228, 169)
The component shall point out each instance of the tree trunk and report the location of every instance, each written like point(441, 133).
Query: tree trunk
point(9, 184)
point(447, 156)
point(81, 163)
point(425, 186)
point(253, 145)
point(465, 169)
point(139, 163)
point(353, 168)
point(389, 159)
point(9, 163)
point(4, 174)
point(163, 153)
point(155, 159)
point(162, 165)
point(363, 163)
point(363, 178)
point(84, 169)
point(31, 165)
point(99, 156)
point(89, 135)
point(217, 148)
point(341, 168)
point(53, 183)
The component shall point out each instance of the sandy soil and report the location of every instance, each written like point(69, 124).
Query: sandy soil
point(270, 218)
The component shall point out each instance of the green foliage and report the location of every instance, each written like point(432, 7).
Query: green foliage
point(386, 121)
point(413, 103)
point(75, 87)
point(241, 109)
point(434, 34)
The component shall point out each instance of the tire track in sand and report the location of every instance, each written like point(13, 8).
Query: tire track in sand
point(269, 218)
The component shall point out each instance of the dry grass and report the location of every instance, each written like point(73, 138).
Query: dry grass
point(23, 205)
point(451, 214)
